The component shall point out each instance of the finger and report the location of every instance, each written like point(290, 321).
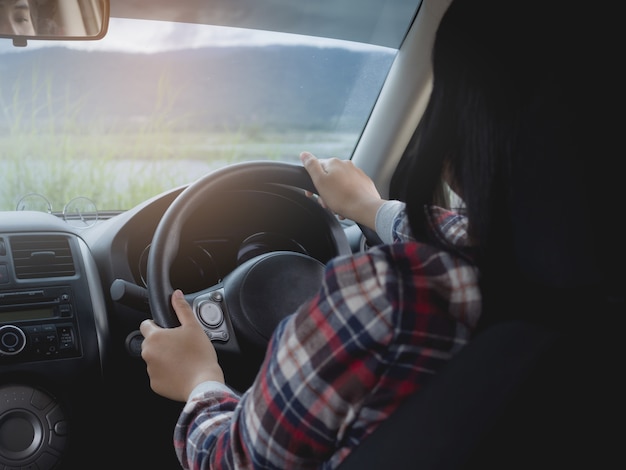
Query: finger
point(312, 165)
point(182, 308)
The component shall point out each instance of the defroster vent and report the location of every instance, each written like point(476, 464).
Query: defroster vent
point(42, 256)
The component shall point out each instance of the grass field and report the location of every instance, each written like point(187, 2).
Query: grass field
point(119, 170)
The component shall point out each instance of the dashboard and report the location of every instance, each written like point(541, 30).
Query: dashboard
point(69, 334)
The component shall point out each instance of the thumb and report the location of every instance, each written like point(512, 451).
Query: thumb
point(181, 307)
point(312, 165)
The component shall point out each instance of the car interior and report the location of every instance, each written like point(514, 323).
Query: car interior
point(249, 246)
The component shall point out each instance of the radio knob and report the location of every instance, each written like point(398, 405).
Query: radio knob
point(12, 340)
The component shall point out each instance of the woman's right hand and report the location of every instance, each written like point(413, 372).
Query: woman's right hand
point(180, 358)
point(344, 188)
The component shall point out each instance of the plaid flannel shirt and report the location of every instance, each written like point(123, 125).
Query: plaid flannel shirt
point(383, 322)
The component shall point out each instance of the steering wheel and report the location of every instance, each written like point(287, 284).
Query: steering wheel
point(244, 309)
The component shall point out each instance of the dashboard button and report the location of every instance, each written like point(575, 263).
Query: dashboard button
point(210, 314)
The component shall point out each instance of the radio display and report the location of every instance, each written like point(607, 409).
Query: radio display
point(29, 314)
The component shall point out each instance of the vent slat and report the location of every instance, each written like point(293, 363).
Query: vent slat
point(36, 257)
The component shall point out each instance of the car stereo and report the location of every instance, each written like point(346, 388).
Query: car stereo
point(38, 324)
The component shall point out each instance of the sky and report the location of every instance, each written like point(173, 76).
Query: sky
point(153, 36)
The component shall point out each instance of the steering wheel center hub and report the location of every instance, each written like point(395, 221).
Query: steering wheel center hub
point(296, 276)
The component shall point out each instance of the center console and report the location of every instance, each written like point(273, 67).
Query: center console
point(38, 324)
point(51, 320)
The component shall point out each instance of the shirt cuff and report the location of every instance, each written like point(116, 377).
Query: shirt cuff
point(385, 216)
point(210, 386)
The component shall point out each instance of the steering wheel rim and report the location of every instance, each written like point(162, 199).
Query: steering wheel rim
point(167, 237)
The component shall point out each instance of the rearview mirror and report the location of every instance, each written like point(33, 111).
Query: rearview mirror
point(63, 20)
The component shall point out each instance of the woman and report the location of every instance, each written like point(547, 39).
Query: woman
point(386, 320)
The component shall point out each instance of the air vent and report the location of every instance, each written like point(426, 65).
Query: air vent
point(36, 257)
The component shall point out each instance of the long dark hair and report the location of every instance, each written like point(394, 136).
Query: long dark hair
point(503, 122)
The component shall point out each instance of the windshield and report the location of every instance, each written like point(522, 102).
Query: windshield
point(156, 105)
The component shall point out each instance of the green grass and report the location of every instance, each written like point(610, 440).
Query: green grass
point(119, 170)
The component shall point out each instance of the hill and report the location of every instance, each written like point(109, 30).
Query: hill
point(216, 87)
